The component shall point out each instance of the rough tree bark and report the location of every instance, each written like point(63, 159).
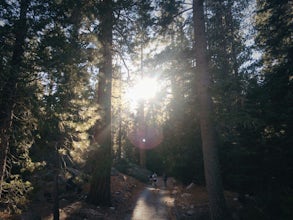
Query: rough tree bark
point(217, 203)
point(100, 189)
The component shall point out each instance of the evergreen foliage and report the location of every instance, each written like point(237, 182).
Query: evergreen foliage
point(51, 102)
point(272, 99)
point(17, 121)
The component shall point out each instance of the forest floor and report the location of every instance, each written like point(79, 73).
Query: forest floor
point(183, 202)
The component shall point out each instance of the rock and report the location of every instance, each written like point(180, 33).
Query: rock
point(190, 212)
point(90, 214)
point(184, 195)
point(190, 186)
point(174, 192)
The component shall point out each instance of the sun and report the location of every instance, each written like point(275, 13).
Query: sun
point(140, 97)
point(144, 90)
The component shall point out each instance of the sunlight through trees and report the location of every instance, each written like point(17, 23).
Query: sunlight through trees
point(201, 90)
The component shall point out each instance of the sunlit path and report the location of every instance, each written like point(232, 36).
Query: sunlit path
point(151, 205)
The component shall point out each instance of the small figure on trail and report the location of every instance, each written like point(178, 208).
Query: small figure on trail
point(165, 178)
point(150, 178)
point(154, 179)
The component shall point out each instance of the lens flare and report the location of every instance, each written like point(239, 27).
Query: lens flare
point(146, 137)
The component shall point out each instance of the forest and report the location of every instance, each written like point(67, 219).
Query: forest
point(198, 89)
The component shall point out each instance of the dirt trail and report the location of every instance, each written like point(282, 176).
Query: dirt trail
point(154, 204)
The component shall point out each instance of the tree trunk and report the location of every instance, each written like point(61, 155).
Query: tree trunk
point(3, 160)
point(141, 118)
point(217, 203)
point(56, 197)
point(9, 91)
point(142, 135)
point(119, 150)
point(100, 189)
point(56, 213)
point(142, 157)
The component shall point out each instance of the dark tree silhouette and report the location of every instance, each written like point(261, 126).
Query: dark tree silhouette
point(210, 153)
point(8, 97)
